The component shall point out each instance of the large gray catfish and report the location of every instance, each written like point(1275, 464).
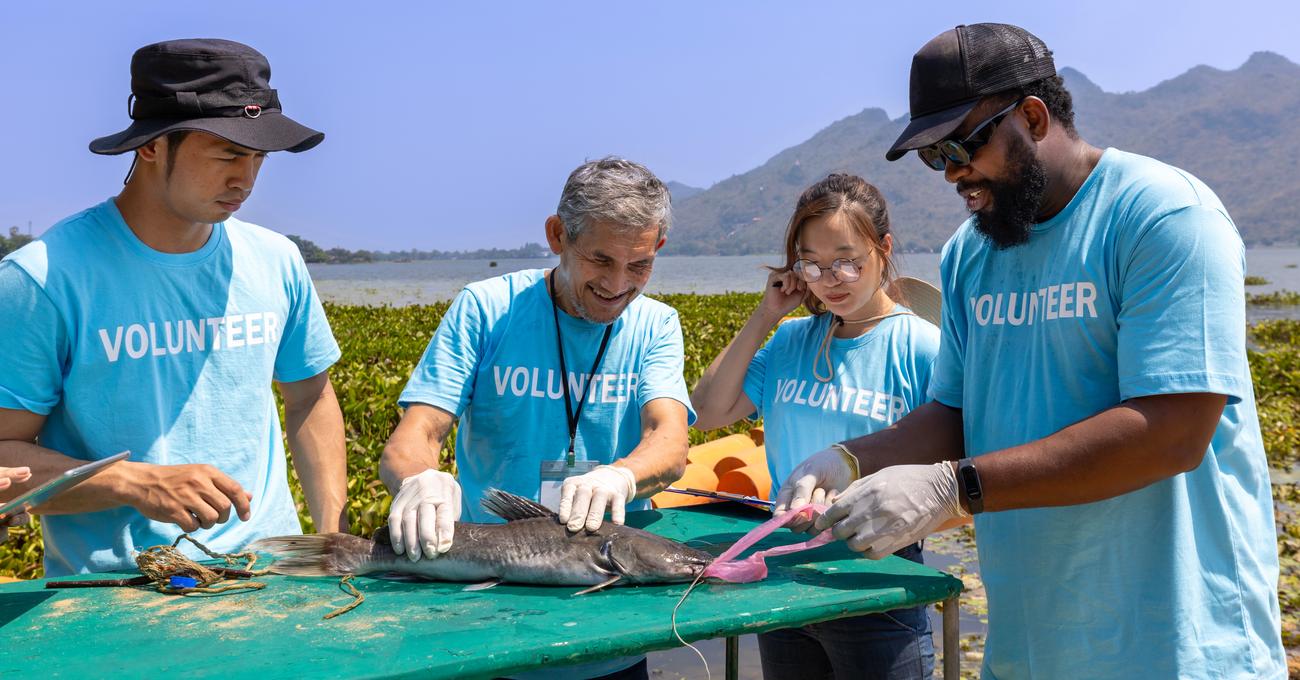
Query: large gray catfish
point(531, 547)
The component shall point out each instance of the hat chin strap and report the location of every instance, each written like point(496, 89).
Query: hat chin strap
point(135, 158)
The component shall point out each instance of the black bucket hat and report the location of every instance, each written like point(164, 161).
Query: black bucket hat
point(216, 86)
point(958, 68)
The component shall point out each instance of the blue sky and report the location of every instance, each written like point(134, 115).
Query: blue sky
point(453, 126)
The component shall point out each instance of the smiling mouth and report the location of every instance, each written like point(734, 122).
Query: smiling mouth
point(975, 200)
point(609, 300)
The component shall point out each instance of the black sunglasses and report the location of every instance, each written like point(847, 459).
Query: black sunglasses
point(937, 156)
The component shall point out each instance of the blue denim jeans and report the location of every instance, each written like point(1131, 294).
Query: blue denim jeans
point(893, 645)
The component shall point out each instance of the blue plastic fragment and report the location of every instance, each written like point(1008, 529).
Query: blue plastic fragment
point(182, 582)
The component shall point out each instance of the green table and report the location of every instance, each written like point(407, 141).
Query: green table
point(409, 630)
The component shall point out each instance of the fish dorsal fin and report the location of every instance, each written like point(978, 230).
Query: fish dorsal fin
point(510, 507)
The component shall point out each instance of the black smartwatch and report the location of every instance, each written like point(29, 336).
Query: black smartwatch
point(970, 482)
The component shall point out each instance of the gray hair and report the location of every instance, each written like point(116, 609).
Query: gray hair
point(614, 190)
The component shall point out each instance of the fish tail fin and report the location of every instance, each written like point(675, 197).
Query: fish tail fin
point(317, 554)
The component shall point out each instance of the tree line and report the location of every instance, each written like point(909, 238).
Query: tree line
point(313, 253)
point(15, 240)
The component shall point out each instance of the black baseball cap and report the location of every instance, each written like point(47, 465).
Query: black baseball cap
point(216, 86)
point(958, 68)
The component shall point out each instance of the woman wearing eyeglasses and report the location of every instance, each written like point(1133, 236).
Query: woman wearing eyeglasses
point(858, 363)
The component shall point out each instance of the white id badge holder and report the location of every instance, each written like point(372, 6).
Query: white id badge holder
point(554, 472)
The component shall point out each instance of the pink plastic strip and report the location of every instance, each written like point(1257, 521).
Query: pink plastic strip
point(754, 567)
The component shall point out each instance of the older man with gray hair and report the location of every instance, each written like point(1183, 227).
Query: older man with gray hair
point(567, 383)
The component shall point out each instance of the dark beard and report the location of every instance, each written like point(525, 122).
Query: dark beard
point(1016, 201)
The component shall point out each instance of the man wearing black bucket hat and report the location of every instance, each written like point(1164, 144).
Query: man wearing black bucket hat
point(1094, 407)
point(155, 321)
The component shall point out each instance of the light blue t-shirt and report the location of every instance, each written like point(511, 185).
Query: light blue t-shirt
point(169, 356)
point(493, 364)
point(879, 377)
point(1134, 289)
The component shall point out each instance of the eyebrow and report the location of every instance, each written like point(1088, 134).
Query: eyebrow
point(242, 152)
point(809, 251)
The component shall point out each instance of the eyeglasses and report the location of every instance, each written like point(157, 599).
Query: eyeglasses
point(938, 155)
point(844, 270)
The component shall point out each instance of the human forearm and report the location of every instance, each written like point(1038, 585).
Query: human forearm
point(931, 433)
point(719, 392)
point(659, 460)
point(1117, 451)
point(316, 440)
point(414, 445)
point(101, 492)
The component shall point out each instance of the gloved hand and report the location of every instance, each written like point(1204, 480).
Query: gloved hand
point(896, 507)
point(584, 498)
point(423, 515)
point(819, 479)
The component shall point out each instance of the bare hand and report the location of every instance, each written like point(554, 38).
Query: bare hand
point(15, 475)
point(189, 496)
point(783, 294)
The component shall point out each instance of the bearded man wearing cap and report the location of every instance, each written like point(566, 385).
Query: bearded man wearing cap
point(155, 322)
point(1093, 405)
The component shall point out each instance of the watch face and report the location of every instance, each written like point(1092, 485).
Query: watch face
point(971, 480)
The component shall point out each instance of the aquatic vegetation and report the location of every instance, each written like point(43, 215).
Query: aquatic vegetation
point(1256, 281)
point(1280, 298)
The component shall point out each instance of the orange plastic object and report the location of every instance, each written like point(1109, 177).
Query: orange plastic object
point(750, 480)
point(709, 453)
point(756, 456)
point(697, 477)
point(756, 433)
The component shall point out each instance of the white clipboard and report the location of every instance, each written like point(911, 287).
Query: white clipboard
point(58, 485)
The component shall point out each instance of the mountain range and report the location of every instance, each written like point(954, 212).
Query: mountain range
point(1233, 129)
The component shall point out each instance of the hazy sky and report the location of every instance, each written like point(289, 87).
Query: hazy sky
point(453, 126)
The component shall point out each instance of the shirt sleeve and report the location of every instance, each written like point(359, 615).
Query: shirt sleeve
point(307, 345)
point(946, 379)
point(1182, 318)
point(925, 351)
point(756, 376)
point(445, 375)
point(661, 369)
point(34, 344)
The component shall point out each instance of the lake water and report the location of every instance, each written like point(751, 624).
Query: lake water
point(406, 283)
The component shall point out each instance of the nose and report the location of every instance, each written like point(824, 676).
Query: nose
point(953, 172)
point(615, 280)
point(244, 173)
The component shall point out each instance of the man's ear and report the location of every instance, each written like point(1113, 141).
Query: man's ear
point(151, 150)
point(1037, 119)
point(555, 236)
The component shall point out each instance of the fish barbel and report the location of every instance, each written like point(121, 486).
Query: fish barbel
point(531, 547)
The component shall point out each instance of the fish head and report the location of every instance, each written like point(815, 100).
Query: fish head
point(642, 557)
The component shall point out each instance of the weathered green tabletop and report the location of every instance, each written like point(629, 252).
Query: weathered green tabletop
point(435, 629)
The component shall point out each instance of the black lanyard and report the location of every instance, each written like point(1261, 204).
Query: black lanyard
point(570, 415)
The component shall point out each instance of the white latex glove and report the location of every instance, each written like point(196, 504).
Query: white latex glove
point(423, 515)
point(584, 498)
point(896, 507)
point(819, 479)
